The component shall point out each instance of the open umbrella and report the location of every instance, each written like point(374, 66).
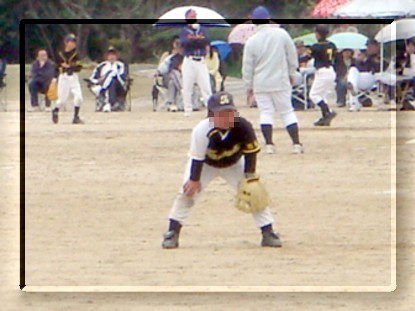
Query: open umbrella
point(223, 48)
point(401, 29)
point(326, 7)
point(241, 33)
point(205, 17)
point(349, 40)
point(378, 8)
point(308, 39)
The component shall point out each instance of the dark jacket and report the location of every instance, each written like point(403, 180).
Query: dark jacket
point(44, 74)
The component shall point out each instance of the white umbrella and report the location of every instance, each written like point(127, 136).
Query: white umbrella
point(399, 30)
point(205, 17)
point(378, 8)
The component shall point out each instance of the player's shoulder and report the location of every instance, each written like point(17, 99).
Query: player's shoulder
point(203, 127)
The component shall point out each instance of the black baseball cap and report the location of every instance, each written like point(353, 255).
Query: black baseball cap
point(70, 37)
point(221, 101)
point(322, 29)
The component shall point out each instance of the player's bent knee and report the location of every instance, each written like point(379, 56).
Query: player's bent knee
point(289, 118)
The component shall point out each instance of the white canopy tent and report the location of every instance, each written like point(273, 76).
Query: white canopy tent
point(378, 8)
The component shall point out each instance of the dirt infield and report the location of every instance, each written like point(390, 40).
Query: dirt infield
point(98, 196)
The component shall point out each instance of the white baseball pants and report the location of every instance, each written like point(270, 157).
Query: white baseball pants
point(233, 175)
point(69, 84)
point(269, 103)
point(195, 72)
point(322, 84)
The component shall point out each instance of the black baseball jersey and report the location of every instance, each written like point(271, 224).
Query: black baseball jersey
point(323, 53)
point(70, 58)
point(223, 148)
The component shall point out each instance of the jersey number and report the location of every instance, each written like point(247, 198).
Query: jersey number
point(330, 54)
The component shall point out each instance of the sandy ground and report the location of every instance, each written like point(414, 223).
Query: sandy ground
point(98, 196)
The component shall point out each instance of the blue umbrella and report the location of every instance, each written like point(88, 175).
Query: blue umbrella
point(349, 40)
point(223, 48)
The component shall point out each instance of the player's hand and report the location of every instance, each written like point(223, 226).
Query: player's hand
point(65, 65)
point(191, 187)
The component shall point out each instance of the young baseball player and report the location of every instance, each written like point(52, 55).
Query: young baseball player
point(68, 81)
point(194, 39)
point(268, 67)
point(222, 145)
point(323, 53)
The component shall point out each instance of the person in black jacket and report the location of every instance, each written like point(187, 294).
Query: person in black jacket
point(42, 74)
point(342, 63)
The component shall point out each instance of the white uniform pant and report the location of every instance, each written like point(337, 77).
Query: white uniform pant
point(233, 175)
point(69, 84)
point(195, 72)
point(360, 80)
point(322, 84)
point(270, 102)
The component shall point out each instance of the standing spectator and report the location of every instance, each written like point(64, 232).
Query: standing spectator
point(343, 61)
point(194, 39)
point(110, 78)
point(323, 53)
point(43, 72)
point(213, 63)
point(268, 68)
point(69, 65)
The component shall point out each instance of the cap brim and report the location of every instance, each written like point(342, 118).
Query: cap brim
point(225, 108)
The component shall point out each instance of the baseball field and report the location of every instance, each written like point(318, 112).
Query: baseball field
point(97, 197)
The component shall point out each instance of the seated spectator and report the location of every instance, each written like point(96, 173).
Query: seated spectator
point(406, 66)
point(213, 64)
point(342, 63)
point(304, 56)
point(2, 72)
point(361, 75)
point(43, 72)
point(110, 79)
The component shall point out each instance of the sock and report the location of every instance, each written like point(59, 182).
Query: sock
point(267, 132)
point(76, 112)
point(325, 110)
point(175, 226)
point(293, 131)
point(266, 228)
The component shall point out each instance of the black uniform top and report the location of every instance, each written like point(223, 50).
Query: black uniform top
point(223, 148)
point(371, 64)
point(44, 74)
point(70, 58)
point(323, 53)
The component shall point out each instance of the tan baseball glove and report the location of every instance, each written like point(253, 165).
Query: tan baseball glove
point(52, 92)
point(252, 196)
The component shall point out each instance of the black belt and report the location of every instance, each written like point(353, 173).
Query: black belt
point(195, 58)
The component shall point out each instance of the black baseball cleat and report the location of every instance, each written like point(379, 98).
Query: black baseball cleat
point(326, 120)
point(77, 120)
point(55, 115)
point(270, 239)
point(170, 240)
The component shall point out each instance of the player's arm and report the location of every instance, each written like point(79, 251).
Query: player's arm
point(248, 68)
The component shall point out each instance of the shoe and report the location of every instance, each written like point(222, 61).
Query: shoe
point(170, 240)
point(325, 121)
point(34, 109)
point(55, 115)
point(187, 114)
point(77, 120)
point(48, 109)
point(269, 149)
point(173, 108)
point(270, 239)
point(107, 108)
point(341, 105)
point(298, 149)
point(354, 107)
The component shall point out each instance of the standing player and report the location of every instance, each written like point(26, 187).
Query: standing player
point(68, 81)
point(222, 145)
point(323, 53)
point(194, 39)
point(268, 68)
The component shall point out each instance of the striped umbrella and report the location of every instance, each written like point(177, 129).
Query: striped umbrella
point(326, 8)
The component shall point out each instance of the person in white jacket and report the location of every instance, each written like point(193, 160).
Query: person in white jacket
point(268, 68)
